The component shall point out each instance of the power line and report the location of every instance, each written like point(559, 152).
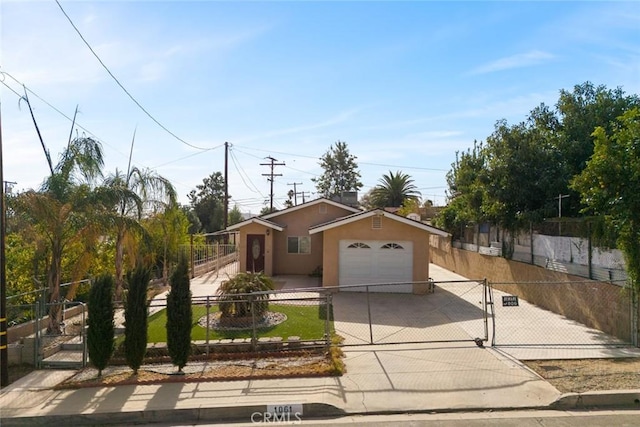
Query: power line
point(359, 163)
point(123, 88)
point(241, 171)
point(53, 107)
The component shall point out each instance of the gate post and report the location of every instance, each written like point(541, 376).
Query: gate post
point(369, 313)
point(327, 323)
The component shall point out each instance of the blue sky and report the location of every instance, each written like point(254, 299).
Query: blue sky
point(405, 84)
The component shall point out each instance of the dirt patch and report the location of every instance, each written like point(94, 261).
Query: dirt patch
point(582, 375)
point(311, 365)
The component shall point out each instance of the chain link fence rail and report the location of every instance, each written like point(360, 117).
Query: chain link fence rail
point(577, 313)
point(256, 322)
point(453, 311)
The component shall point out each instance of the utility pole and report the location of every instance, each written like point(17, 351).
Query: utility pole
point(303, 194)
point(226, 187)
point(560, 197)
point(295, 192)
point(4, 352)
point(272, 164)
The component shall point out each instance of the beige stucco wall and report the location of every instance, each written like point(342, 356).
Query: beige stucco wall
point(298, 223)
point(391, 230)
point(295, 223)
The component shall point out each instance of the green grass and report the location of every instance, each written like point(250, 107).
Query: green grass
point(306, 322)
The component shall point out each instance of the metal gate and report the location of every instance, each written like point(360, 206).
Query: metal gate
point(563, 315)
point(450, 311)
point(67, 349)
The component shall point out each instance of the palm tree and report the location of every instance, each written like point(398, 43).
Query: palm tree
point(63, 211)
point(393, 190)
point(137, 192)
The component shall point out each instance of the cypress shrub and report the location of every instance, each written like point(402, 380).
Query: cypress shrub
point(135, 317)
point(100, 322)
point(179, 315)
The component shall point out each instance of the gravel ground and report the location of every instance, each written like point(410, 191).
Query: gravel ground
point(589, 374)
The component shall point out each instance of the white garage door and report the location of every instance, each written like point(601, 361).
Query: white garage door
point(376, 261)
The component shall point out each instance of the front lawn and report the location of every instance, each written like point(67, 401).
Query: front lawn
point(304, 321)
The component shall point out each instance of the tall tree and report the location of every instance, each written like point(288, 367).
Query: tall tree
point(66, 210)
point(609, 185)
point(235, 216)
point(101, 328)
point(580, 111)
point(135, 317)
point(393, 190)
point(340, 172)
point(167, 230)
point(135, 192)
point(179, 315)
point(207, 201)
point(466, 183)
point(524, 175)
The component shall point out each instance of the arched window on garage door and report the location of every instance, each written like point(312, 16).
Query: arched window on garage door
point(358, 245)
point(391, 246)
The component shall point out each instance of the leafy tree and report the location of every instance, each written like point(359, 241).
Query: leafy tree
point(135, 317)
point(409, 206)
point(394, 190)
point(365, 200)
point(179, 315)
point(100, 331)
point(267, 210)
point(579, 112)
point(19, 265)
point(523, 175)
point(466, 183)
point(207, 201)
point(194, 222)
point(167, 231)
point(340, 172)
point(609, 185)
point(235, 216)
point(133, 193)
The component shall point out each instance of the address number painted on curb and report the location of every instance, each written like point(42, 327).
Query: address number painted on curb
point(293, 408)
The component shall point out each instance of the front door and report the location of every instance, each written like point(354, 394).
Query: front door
point(255, 253)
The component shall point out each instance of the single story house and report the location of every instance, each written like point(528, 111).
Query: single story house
point(348, 245)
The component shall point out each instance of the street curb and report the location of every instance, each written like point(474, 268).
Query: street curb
point(598, 399)
point(182, 416)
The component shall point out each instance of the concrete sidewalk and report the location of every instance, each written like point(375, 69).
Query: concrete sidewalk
point(385, 380)
point(436, 377)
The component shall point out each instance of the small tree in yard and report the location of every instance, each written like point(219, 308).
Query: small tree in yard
point(236, 306)
point(179, 315)
point(135, 317)
point(101, 329)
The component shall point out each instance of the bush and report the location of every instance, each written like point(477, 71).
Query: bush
point(179, 315)
point(234, 303)
point(100, 322)
point(135, 317)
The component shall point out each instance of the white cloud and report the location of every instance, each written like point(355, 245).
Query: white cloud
point(520, 60)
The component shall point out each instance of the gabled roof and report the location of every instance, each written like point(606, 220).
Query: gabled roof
point(256, 220)
point(310, 203)
point(376, 212)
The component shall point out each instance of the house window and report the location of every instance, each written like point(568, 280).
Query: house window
point(299, 245)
